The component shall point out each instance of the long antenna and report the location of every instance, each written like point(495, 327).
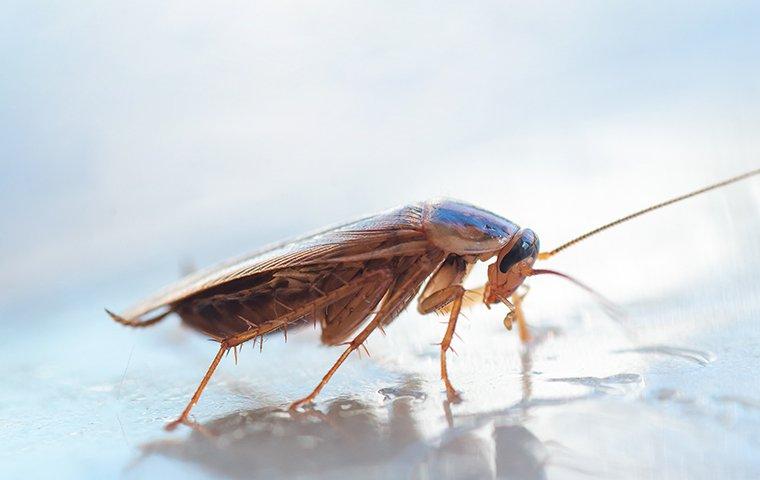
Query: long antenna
point(613, 310)
point(545, 255)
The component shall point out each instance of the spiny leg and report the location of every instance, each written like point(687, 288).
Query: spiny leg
point(456, 306)
point(450, 299)
point(390, 307)
point(355, 343)
point(225, 345)
point(183, 418)
point(282, 321)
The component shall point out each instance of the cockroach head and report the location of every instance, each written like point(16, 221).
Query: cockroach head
point(513, 264)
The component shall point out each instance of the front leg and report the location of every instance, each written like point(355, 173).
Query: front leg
point(517, 311)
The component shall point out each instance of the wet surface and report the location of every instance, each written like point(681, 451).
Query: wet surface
point(698, 356)
point(566, 406)
point(669, 391)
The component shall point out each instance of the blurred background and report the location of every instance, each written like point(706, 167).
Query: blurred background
point(139, 138)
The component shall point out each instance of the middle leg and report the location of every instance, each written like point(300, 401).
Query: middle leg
point(450, 296)
point(456, 306)
point(353, 345)
point(394, 302)
point(444, 292)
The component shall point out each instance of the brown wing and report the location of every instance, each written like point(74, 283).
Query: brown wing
point(339, 296)
point(344, 252)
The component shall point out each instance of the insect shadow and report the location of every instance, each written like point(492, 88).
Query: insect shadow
point(351, 438)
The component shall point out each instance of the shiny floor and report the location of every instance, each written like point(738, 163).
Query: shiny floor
point(669, 391)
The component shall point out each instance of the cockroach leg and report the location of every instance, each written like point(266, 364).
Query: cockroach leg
point(293, 315)
point(449, 297)
point(522, 325)
point(282, 304)
point(447, 413)
point(509, 319)
point(229, 343)
point(183, 418)
point(456, 306)
point(247, 322)
point(340, 279)
point(389, 307)
point(444, 284)
point(355, 343)
point(440, 299)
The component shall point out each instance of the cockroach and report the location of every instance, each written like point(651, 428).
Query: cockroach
point(363, 274)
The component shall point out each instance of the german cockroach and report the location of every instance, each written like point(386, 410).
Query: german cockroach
point(370, 269)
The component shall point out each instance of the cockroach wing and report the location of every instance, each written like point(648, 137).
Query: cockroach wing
point(394, 233)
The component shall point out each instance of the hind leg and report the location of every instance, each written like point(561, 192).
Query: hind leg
point(353, 345)
point(183, 418)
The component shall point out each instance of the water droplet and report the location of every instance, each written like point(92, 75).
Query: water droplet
point(391, 393)
point(702, 357)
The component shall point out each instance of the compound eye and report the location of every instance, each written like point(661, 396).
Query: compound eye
point(526, 246)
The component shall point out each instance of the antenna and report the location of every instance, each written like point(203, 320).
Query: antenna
point(612, 310)
point(545, 255)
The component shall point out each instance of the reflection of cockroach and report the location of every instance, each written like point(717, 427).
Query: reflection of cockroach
point(368, 269)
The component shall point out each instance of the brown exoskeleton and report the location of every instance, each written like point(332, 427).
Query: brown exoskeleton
point(362, 274)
